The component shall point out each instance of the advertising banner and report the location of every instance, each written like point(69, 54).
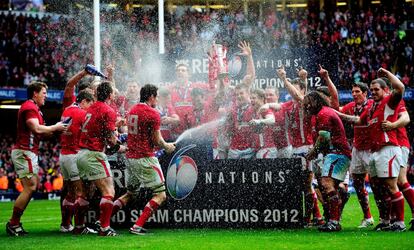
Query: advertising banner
point(219, 193)
point(266, 63)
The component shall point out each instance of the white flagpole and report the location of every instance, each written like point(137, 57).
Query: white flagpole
point(161, 44)
point(96, 35)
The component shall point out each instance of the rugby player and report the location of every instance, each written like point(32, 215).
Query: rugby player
point(237, 125)
point(262, 126)
point(73, 115)
point(169, 118)
point(97, 131)
point(332, 142)
point(360, 149)
point(403, 184)
point(143, 168)
point(300, 128)
point(386, 154)
point(30, 129)
point(281, 126)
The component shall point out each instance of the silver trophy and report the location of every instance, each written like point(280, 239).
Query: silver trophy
point(221, 52)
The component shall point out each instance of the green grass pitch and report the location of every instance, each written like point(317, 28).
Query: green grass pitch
point(42, 219)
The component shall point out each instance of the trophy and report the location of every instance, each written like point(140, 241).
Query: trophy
point(221, 53)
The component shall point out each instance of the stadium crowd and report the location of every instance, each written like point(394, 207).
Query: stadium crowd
point(251, 123)
point(366, 40)
point(49, 172)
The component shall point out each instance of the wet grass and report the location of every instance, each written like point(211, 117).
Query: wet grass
point(42, 220)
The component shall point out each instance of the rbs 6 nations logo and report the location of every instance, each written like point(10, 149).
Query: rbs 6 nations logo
point(181, 174)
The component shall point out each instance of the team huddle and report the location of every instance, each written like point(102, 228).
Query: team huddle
point(252, 124)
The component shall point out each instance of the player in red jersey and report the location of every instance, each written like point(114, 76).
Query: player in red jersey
point(332, 142)
point(30, 128)
point(237, 125)
point(300, 131)
point(361, 148)
point(205, 108)
point(399, 125)
point(97, 131)
point(74, 116)
point(69, 91)
point(181, 94)
point(131, 95)
point(143, 168)
point(262, 125)
point(200, 112)
point(169, 118)
point(281, 126)
point(386, 153)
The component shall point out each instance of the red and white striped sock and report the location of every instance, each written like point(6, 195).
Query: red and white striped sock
point(118, 204)
point(106, 206)
point(334, 203)
point(363, 199)
point(149, 209)
point(80, 207)
point(316, 211)
point(17, 214)
point(67, 210)
point(408, 193)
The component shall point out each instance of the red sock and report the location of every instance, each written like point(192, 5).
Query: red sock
point(67, 210)
point(106, 206)
point(388, 207)
point(149, 209)
point(80, 208)
point(333, 204)
point(380, 199)
point(325, 206)
point(398, 205)
point(316, 211)
point(408, 193)
point(118, 204)
point(17, 214)
point(343, 198)
point(308, 207)
point(363, 199)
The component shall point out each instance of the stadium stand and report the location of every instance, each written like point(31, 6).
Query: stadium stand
point(366, 39)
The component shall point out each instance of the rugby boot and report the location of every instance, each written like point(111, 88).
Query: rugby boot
point(15, 230)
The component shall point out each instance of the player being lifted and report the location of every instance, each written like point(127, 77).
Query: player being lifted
point(143, 168)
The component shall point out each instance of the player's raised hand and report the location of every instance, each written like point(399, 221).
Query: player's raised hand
point(302, 73)
point(247, 79)
point(323, 72)
point(245, 48)
point(211, 53)
point(281, 73)
point(382, 72)
point(110, 69)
